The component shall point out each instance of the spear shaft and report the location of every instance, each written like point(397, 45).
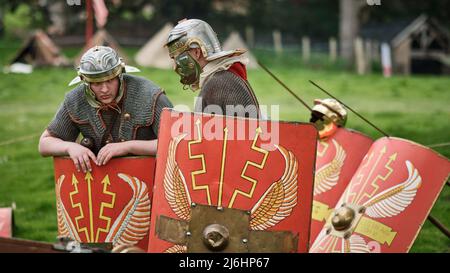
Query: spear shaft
point(356, 113)
point(282, 84)
point(430, 218)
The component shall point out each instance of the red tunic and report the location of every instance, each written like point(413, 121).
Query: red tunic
point(239, 69)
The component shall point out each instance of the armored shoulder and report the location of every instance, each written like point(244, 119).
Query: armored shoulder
point(226, 84)
point(225, 88)
point(75, 99)
point(139, 83)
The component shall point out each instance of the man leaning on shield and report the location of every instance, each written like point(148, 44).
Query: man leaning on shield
point(116, 113)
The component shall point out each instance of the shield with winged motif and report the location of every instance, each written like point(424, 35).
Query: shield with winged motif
point(227, 184)
point(338, 157)
point(111, 204)
point(387, 201)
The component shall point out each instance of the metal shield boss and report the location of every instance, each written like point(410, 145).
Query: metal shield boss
point(338, 157)
point(387, 200)
point(227, 184)
point(111, 204)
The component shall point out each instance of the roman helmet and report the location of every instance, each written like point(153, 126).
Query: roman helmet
point(331, 110)
point(194, 33)
point(100, 63)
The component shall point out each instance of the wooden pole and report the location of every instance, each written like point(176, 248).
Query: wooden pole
point(89, 22)
point(368, 53)
point(359, 54)
point(284, 85)
point(277, 41)
point(349, 108)
point(306, 49)
point(439, 225)
point(376, 54)
point(250, 36)
point(333, 49)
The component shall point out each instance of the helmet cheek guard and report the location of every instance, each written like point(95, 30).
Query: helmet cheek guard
point(188, 69)
point(194, 33)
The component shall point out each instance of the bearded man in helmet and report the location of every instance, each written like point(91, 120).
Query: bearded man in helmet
point(116, 113)
point(220, 75)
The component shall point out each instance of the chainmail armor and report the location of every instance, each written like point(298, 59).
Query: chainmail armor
point(225, 88)
point(143, 102)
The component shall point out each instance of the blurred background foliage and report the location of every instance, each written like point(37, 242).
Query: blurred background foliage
point(295, 18)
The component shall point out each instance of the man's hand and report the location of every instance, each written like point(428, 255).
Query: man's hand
point(80, 156)
point(111, 150)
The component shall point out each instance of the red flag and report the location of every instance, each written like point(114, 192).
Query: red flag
point(101, 12)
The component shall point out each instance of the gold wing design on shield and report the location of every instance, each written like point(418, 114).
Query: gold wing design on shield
point(279, 199)
point(175, 188)
point(65, 226)
point(394, 200)
point(328, 175)
point(133, 222)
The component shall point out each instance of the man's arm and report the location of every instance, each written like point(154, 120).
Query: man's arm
point(59, 140)
point(53, 146)
point(134, 147)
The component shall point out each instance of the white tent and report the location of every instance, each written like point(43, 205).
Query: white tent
point(235, 41)
point(153, 53)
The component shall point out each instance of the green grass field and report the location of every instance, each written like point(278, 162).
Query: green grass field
point(415, 108)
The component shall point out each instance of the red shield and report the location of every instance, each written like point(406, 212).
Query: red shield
point(6, 222)
point(338, 157)
point(387, 200)
point(111, 204)
point(232, 185)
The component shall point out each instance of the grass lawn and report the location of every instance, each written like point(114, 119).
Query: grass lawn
point(415, 108)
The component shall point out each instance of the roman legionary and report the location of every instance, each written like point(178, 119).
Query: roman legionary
point(116, 113)
point(220, 75)
point(328, 115)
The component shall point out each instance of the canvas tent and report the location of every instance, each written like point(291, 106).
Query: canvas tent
point(235, 41)
point(102, 38)
point(153, 53)
point(40, 50)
